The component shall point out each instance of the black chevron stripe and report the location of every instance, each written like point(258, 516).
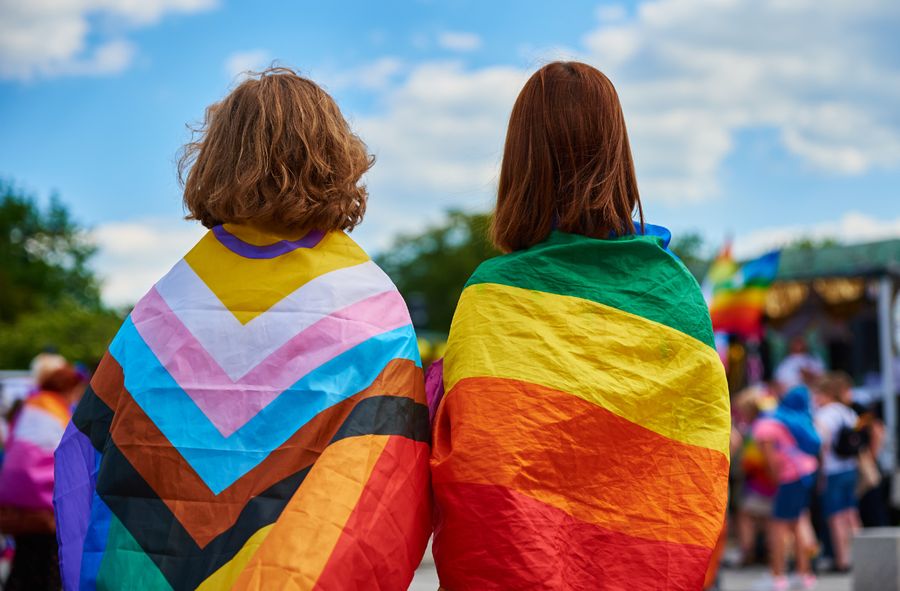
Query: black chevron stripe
point(159, 533)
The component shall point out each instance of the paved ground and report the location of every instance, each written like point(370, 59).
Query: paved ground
point(752, 579)
point(755, 579)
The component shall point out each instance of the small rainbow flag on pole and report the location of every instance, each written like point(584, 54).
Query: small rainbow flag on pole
point(737, 292)
point(583, 439)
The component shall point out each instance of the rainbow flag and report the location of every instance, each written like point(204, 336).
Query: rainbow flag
point(737, 292)
point(259, 422)
point(583, 439)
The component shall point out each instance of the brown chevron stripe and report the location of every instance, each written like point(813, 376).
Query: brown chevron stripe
point(203, 514)
point(163, 538)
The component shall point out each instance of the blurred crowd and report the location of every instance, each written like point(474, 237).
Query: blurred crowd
point(805, 471)
point(31, 427)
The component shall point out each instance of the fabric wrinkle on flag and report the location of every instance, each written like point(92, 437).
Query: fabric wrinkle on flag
point(259, 422)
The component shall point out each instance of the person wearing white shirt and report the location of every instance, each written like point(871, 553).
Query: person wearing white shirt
point(799, 367)
point(840, 471)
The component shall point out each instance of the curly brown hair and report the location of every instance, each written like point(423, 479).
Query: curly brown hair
point(278, 154)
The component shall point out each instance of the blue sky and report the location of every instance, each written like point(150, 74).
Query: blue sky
point(765, 119)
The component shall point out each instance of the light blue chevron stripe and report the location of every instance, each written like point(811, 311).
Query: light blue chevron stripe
point(219, 460)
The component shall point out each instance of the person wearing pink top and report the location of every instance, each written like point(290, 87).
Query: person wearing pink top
point(26, 479)
point(790, 445)
point(789, 464)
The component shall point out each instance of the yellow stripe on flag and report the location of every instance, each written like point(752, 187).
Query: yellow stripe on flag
point(228, 573)
point(297, 549)
point(237, 282)
point(643, 371)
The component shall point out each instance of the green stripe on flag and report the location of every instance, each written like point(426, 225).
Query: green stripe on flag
point(126, 566)
point(633, 273)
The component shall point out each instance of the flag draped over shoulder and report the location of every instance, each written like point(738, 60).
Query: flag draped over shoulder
point(582, 442)
point(258, 422)
point(738, 292)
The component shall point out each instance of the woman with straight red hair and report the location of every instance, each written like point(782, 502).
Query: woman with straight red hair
point(583, 439)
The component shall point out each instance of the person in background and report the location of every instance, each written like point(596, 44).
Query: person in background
point(871, 484)
point(790, 445)
point(839, 467)
point(45, 364)
point(799, 367)
point(26, 479)
point(758, 490)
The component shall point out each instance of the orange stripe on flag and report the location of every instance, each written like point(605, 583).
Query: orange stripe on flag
point(571, 454)
point(297, 548)
point(384, 537)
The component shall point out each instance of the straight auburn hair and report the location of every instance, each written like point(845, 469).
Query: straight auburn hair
point(567, 162)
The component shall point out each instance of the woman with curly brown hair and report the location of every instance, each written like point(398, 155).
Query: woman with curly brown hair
point(259, 421)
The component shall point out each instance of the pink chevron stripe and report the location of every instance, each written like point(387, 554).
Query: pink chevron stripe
point(228, 404)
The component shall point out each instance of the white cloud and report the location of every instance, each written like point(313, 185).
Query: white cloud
point(376, 75)
point(611, 12)
point(110, 58)
point(42, 38)
point(240, 63)
point(694, 73)
point(134, 254)
point(459, 41)
point(438, 139)
point(852, 228)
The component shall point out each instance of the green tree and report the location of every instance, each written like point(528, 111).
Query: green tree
point(49, 296)
point(44, 256)
point(691, 248)
point(808, 243)
point(74, 331)
point(431, 268)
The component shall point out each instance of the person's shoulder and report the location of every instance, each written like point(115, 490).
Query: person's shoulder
point(849, 412)
point(835, 414)
point(634, 274)
point(828, 414)
point(496, 269)
point(791, 361)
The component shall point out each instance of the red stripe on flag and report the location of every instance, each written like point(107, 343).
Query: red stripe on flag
point(511, 541)
point(383, 539)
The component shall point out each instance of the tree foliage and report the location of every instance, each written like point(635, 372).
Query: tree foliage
point(44, 256)
point(69, 328)
point(691, 248)
point(810, 243)
point(431, 268)
point(49, 296)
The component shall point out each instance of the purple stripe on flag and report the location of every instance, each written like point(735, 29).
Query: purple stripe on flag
point(75, 480)
point(434, 387)
point(268, 251)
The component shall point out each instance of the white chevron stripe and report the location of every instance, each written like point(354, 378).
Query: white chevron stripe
point(238, 348)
